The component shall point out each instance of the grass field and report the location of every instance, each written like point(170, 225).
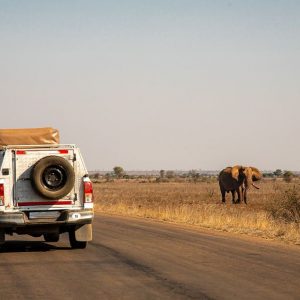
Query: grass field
point(199, 204)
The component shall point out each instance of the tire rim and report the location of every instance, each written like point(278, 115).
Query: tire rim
point(54, 177)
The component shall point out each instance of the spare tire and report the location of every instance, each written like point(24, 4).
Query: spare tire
point(53, 177)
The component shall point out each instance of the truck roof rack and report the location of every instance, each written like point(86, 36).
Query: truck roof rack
point(37, 146)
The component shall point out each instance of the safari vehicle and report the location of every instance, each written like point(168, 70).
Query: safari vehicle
point(44, 187)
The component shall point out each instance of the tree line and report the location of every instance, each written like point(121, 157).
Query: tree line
point(118, 172)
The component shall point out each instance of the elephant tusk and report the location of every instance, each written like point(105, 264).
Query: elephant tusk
point(255, 186)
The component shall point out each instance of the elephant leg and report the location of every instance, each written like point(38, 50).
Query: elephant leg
point(238, 191)
point(233, 196)
point(223, 193)
point(245, 196)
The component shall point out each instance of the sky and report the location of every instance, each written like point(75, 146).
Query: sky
point(157, 84)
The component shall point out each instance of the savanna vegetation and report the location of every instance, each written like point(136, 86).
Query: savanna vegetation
point(272, 212)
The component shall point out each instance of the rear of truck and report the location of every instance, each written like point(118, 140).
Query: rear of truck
point(45, 191)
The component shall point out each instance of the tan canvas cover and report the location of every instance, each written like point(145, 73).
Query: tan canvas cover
point(29, 136)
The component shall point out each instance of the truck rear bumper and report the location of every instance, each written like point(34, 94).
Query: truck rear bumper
point(68, 217)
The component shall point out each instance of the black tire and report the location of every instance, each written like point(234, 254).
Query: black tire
point(2, 237)
point(53, 177)
point(51, 237)
point(74, 243)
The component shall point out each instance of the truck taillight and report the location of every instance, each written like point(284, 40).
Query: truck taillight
point(88, 191)
point(1, 194)
point(63, 151)
point(20, 152)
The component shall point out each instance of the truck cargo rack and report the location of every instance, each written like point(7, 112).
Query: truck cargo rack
point(37, 146)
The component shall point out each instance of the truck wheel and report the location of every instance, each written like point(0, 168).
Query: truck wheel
point(53, 177)
point(51, 237)
point(2, 237)
point(74, 243)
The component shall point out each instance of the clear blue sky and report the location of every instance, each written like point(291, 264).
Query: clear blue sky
point(154, 84)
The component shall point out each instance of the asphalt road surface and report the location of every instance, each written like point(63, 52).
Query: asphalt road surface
point(141, 259)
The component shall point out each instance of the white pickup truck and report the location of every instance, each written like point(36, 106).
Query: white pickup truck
point(45, 191)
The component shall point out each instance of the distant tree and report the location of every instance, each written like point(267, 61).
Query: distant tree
point(162, 173)
point(278, 173)
point(170, 174)
point(196, 178)
point(191, 173)
point(97, 175)
point(288, 176)
point(194, 175)
point(119, 171)
point(108, 176)
point(268, 175)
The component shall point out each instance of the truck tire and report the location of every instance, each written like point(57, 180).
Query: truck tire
point(74, 243)
point(2, 237)
point(51, 237)
point(53, 177)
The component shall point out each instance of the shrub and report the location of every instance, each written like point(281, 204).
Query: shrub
point(160, 179)
point(109, 177)
point(170, 174)
point(288, 176)
point(286, 206)
point(278, 173)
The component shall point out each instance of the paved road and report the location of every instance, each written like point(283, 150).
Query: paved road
point(140, 259)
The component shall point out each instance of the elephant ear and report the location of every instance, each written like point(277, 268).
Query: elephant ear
point(256, 174)
point(235, 171)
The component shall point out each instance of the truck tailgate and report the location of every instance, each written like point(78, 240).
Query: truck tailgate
point(24, 193)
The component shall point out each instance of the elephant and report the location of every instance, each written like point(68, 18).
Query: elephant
point(238, 179)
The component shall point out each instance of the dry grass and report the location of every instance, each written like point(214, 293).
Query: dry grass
point(199, 204)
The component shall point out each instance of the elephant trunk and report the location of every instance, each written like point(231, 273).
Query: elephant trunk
point(248, 182)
